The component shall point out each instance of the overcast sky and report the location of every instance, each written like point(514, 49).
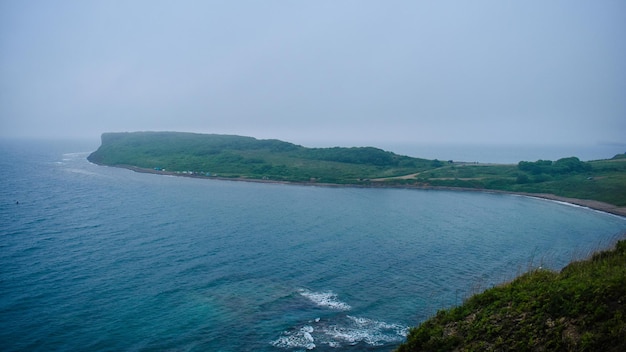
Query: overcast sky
point(315, 72)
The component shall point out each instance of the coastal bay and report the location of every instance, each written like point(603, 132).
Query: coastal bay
point(155, 261)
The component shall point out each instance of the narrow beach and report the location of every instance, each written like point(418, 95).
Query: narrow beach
point(587, 203)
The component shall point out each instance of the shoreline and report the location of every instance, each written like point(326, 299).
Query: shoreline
point(585, 203)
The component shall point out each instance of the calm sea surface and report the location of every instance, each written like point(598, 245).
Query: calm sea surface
point(104, 259)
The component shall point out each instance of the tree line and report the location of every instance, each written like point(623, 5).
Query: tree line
point(562, 166)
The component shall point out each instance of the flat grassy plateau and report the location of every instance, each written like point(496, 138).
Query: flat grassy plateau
point(247, 158)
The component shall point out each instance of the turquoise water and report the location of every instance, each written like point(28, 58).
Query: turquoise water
point(104, 259)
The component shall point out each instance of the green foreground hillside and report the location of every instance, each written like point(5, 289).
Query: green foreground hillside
point(227, 156)
point(581, 308)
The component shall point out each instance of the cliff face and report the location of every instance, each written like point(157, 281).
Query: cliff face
point(582, 308)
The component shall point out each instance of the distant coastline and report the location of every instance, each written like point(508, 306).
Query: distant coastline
point(586, 203)
point(597, 184)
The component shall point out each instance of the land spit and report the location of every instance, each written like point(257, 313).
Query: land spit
point(587, 203)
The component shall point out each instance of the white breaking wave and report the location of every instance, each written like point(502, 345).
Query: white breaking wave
point(347, 330)
point(325, 299)
point(301, 338)
point(77, 154)
point(339, 330)
point(371, 332)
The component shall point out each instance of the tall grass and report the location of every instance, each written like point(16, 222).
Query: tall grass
point(580, 308)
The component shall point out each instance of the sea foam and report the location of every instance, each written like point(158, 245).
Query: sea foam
point(340, 331)
point(326, 299)
point(369, 331)
point(300, 338)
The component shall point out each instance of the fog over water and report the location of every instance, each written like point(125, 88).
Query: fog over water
point(318, 73)
point(506, 153)
point(101, 258)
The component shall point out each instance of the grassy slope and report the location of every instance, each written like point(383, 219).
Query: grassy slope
point(235, 156)
point(247, 157)
point(605, 180)
point(582, 308)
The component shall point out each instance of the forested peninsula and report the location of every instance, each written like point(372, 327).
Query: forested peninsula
point(599, 184)
point(580, 308)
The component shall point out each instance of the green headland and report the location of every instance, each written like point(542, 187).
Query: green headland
point(598, 184)
point(581, 308)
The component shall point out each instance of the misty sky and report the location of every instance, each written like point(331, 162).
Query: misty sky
point(315, 72)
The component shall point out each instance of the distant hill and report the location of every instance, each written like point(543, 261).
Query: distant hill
point(247, 157)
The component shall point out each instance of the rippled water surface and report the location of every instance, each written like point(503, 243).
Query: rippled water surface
point(105, 259)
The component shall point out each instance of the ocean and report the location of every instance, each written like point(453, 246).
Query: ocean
point(507, 153)
point(95, 258)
